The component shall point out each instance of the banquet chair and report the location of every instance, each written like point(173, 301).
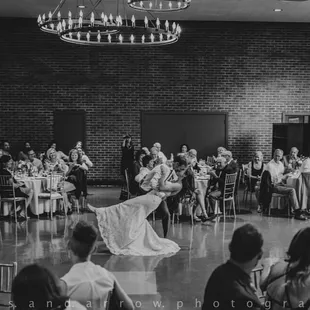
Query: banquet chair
point(228, 193)
point(7, 273)
point(53, 191)
point(7, 193)
point(188, 202)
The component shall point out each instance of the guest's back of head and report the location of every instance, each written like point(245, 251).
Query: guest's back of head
point(246, 244)
point(36, 287)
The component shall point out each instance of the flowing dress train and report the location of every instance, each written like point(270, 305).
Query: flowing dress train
point(126, 231)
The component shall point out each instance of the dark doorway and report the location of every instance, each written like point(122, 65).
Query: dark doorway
point(69, 127)
point(204, 132)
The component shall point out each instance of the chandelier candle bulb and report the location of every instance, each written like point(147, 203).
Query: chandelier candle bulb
point(167, 25)
point(69, 15)
point(161, 37)
point(132, 39)
point(146, 22)
point(70, 35)
point(109, 38)
point(179, 5)
point(99, 36)
point(80, 22)
point(170, 5)
point(152, 38)
point(151, 5)
point(52, 26)
point(81, 13)
point(158, 23)
point(102, 17)
point(143, 39)
point(59, 16)
point(79, 36)
point(160, 6)
point(64, 24)
point(88, 36)
point(174, 27)
point(43, 17)
point(120, 38)
point(50, 15)
point(39, 19)
point(133, 21)
point(70, 22)
point(141, 4)
point(92, 19)
point(111, 18)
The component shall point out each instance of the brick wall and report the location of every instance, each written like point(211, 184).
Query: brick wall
point(253, 71)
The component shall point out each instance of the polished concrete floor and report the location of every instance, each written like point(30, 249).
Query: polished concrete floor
point(175, 282)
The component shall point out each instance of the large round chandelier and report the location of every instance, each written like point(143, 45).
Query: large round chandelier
point(159, 6)
point(90, 26)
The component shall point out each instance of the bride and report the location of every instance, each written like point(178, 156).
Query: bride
point(124, 227)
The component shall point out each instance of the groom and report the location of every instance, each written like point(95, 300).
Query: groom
point(152, 182)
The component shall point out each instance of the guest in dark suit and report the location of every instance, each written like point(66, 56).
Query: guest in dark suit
point(232, 166)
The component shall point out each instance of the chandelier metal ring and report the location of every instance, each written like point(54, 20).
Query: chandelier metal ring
point(112, 34)
point(159, 6)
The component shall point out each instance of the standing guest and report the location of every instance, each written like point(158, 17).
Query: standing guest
point(128, 151)
point(60, 154)
point(34, 163)
point(291, 161)
point(35, 287)
point(20, 189)
point(85, 158)
point(23, 154)
point(183, 149)
point(288, 282)
point(87, 282)
point(154, 154)
point(276, 170)
point(161, 155)
point(229, 286)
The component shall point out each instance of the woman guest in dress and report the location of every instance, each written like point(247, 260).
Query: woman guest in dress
point(183, 149)
point(254, 173)
point(85, 158)
point(53, 163)
point(287, 282)
point(60, 154)
point(35, 287)
point(128, 151)
point(77, 173)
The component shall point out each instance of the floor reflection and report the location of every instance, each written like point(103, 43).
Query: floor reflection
point(176, 281)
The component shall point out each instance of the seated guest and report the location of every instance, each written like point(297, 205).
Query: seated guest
point(219, 176)
point(255, 170)
point(232, 166)
point(154, 154)
point(86, 282)
point(6, 148)
point(60, 154)
point(35, 287)
point(276, 169)
point(34, 163)
point(184, 148)
point(23, 154)
point(19, 187)
point(291, 161)
point(161, 155)
point(85, 158)
point(53, 163)
point(229, 286)
point(220, 151)
point(305, 166)
point(192, 155)
point(288, 282)
point(148, 165)
point(77, 173)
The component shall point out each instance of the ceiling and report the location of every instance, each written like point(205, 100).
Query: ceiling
point(202, 10)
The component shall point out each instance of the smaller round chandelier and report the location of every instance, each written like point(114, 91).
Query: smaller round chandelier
point(116, 31)
point(159, 6)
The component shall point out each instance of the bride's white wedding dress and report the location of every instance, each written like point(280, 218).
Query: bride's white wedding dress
point(126, 231)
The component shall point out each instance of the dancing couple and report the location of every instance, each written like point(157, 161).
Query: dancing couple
point(124, 227)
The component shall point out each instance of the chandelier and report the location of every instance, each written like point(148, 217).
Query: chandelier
point(159, 6)
point(90, 26)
